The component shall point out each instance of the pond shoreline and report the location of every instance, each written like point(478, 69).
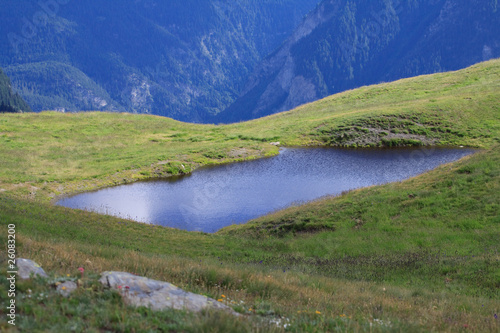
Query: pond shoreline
point(134, 177)
point(262, 171)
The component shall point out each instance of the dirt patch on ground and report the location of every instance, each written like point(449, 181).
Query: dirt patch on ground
point(383, 131)
point(375, 136)
point(239, 152)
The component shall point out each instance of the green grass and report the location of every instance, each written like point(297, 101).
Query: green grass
point(457, 108)
point(106, 311)
point(421, 254)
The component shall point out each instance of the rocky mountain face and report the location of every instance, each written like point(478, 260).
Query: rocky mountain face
point(9, 100)
point(347, 44)
point(183, 59)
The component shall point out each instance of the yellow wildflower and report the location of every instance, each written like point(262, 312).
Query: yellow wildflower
point(220, 300)
point(223, 296)
point(317, 312)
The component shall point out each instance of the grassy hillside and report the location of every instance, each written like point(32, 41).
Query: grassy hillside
point(419, 255)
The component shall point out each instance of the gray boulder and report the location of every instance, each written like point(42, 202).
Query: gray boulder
point(66, 288)
point(157, 295)
point(26, 268)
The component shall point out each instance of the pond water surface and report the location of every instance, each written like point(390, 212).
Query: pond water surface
point(212, 198)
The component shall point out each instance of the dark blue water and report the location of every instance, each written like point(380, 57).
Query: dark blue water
point(212, 198)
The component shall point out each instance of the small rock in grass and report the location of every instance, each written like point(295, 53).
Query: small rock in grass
point(66, 288)
point(27, 268)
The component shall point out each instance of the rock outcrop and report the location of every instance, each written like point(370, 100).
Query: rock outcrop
point(136, 290)
point(158, 295)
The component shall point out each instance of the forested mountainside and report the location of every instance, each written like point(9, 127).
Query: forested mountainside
point(10, 101)
point(346, 44)
point(183, 59)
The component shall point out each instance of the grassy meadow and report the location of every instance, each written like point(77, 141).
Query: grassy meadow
point(415, 256)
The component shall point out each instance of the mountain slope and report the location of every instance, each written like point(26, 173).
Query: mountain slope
point(187, 60)
point(342, 45)
point(10, 101)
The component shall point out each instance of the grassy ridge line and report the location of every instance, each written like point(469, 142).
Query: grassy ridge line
point(69, 153)
point(453, 108)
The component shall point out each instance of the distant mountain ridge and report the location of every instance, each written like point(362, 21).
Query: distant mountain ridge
point(347, 44)
point(183, 59)
point(9, 100)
